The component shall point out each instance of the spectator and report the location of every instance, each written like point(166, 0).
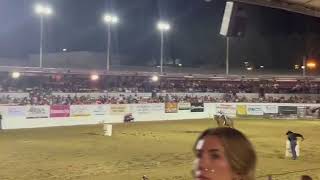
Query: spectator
point(224, 154)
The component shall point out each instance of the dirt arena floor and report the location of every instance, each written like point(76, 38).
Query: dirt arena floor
point(160, 150)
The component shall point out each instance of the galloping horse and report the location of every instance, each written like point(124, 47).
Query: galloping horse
point(223, 121)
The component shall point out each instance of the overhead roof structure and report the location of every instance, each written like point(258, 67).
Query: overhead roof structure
point(307, 7)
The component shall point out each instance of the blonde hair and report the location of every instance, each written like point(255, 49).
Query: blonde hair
point(238, 150)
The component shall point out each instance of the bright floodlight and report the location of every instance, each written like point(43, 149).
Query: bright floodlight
point(163, 26)
point(249, 68)
point(94, 77)
point(43, 10)
point(15, 75)
point(110, 19)
point(311, 65)
point(154, 78)
point(64, 50)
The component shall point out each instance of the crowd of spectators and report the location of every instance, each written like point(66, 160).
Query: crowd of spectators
point(41, 90)
point(77, 83)
point(38, 97)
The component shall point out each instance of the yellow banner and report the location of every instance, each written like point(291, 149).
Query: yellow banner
point(241, 109)
point(171, 107)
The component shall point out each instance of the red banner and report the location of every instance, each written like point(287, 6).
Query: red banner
point(60, 111)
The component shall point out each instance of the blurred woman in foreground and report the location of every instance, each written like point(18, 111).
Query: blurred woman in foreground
point(224, 154)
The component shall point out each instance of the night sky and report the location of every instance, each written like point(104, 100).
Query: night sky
point(274, 38)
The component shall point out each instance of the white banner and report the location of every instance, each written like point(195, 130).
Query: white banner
point(256, 110)
point(227, 109)
point(17, 111)
point(143, 109)
point(118, 109)
point(98, 110)
point(38, 112)
point(79, 110)
point(270, 109)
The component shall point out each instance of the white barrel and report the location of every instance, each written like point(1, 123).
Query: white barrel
point(107, 128)
point(288, 149)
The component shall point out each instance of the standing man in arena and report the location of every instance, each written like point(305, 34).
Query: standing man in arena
point(292, 137)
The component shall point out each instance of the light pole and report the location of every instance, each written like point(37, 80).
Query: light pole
point(109, 19)
point(42, 10)
point(227, 56)
point(162, 27)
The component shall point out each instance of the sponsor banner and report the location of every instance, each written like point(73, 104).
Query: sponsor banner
point(241, 110)
point(79, 110)
point(227, 109)
point(171, 107)
point(118, 109)
point(301, 111)
point(38, 112)
point(98, 110)
point(59, 111)
point(16, 111)
point(270, 109)
point(256, 110)
point(308, 111)
point(197, 107)
point(143, 109)
point(313, 111)
point(184, 106)
point(287, 110)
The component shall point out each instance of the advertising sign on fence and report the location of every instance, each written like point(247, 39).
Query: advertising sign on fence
point(308, 111)
point(197, 107)
point(287, 110)
point(241, 109)
point(228, 109)
point(118, 109)
point(16, 111)
point(184, 106)
point(270, 109)
point(255, 110)
point(59, 111)
point(98, 110)
point(79, 110)
point(38, 112)
point(143, 109)
point(171, 107)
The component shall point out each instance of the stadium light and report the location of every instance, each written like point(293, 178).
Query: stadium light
point(109, 19)
point(94, 77)
point(162, 27)
point(15, 75)
point(154, 78)
point(249, 68)
point(64, 50)
point(311, 65)
point(42, 10)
